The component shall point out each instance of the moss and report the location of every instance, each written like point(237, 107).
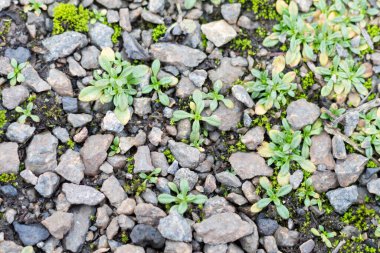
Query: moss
point(350, 149)
point(169, 156)
point(371, 164)
point(242, 44)
point(239, 146)
point(262, 121)
point(135, 187)
point(264, 9)
point(204, 40)
point(5, 25)
point(261, 32)
point(307, 81)
point(117, 33)
point(360, 217)
point(124, 237)
point(158, 32)
point(3, 118)
point(368, 84)
point(70, 143)
point(68, 17)
point(7, 178)
point(371, 97)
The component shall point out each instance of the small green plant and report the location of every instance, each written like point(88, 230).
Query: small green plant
point(272, 196)
point(269, 92)
point(307, 193)
point(196, 107)
point(183, 199)
point(241, 44)
point(115, 84)
point(285, 149)
point(169, 156)
point(152, 177)
point(335, 110)
point(216, 97)
point(368, 134)
point(15, 76)
point(35, 6)
point(115, 149)
point(98, 16)
point(68, 17)
point(159, 84)
point(158, 32)
point(307, 133)
point(124, 237)
point(26, 113)
point(324, 235)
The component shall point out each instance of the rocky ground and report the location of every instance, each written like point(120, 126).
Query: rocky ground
point(196, 148)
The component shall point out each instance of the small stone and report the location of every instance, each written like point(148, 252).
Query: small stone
point(148, 214)
point(351, 120)
point(110, 4)
point(250, 192)
point(324, 181)
point(185, 88)
point(217, 205)
point(70, 104)
point(9, 159)
point(62, 134)
point(79, 120)
point(231, 12)
point(249, 165)
point(33, 79)
point(285, 237)
point(21, 54)
point(228, 179)
point(301, 113)
point(222, 228)
point(90, 56)
point(241, 94)
point(210, 184)
point(187, 175)
point(31, 234)
point(177, 247)
point(9, 246)
point(106, 168)
point(156, 6)
point(304, 5)
point(338, 148)
point(296, 179)
point(198, 77)
point(143, 162)
point(8, 191)
point(112, 229)
point(145, 235)
point(59, 223)
point(341, 199)
point(126, 143)
point(220, 248)
point(237, 199)
point(82, 194)
point(29, 177)
point(267, 226)
point(155, 136)
point(142, 106)
point(175, 227)
point(219, 32)
point(14, 96)
point(270, 244)
point(111, 123)
point(229, 117)
point(130, 249)
point(320, 151)
point(113, 191)
point(60, 83)
point(9, 215)
point(307, 247)
point(47, 184)
point(127, 207)
point(100, 34)
point(186, 155)
point(133, 49)
point(227, 72)
point(151, 17)
point(71, 167)
point(253, 138)
point(75, 69)
point(349, 170)
point(373, 186)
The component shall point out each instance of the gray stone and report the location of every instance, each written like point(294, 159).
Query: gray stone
point(241, 94)
point(229, 117)
point(186, 174)
point(113, 191)
point(63, 45)
point(79, 120)
point(89, 58)
point(219, 248)
point(373, 186)
point(33, 80)
point(175, 227)
point(101, 35)
point(324, 181)
point(228, 179)
point(93, 158)
point(351, 120)
point(186, 155)
point(8, 191)
point(320, 151)
point(148, 214)
point(285, 237)
point(198, 77)
point(151, 17)
point(217, 205)
point(71, 167)
point(177, 55)
point(250, 192)
point(156, 6)
point(142, 106)
point(62, 134)
point(10, 246)
point(296, 179)
point(31, 234)
point(155, 136)
point(29, 177)
point(185, 88)
point(133, 49)
point(159, 161)
point(253, 138)
point(249, 165)
point(210, 184)
point(304, 5)
point(127, 207)
point(219, 32)
point(349, 170)
point(41, 154)
point(237, 199)
point(270, 245)
point(226, 72)
point(75, 69)
point(60, 83)
point(143, 162)
point(338, 148)
point(267, 226)
point(4, 4)
point(250, 243)
point(47, 184)
point(307, 247)
point(82, 194)
point(341, 199)
point(126, 143)
point(110, 4)
point(222, 228)
point(14, 96)
point(59, 223)
point(130, 249)
point(301, 113)
point(9, 159)
point(231, 12)
point(70, 104)
point(75, 238)
point(125, 21)
point(246, 23)
point(111, 123)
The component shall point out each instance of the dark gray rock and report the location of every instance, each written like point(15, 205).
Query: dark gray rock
point(8, 191)
point(175, 227)
point(31, 234)
point(69, 104)
point(267, 226)
point(341, 199)
point(21, 54)
point(101, 35)
point(133, 49)
point(146, 235)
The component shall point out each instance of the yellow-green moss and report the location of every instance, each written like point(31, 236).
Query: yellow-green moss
point(68, 17)
point(158, 32)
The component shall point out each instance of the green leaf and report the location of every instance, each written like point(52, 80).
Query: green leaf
point(315, 232)
point(146, 89)
point(166, 198)
point(90, 93)
point(212, 120)
point(182, 207)
point(184, 186)
point(264, 182)
point(262, 203)
point(123, 116)
point(189, 4)
point(21, 119)
point(282, 211)
point(218, 86)
point(228, 103)
point(155, 67)
point(35, 118)
point(164, 99)
point(173, 187)
point(199, 199)
point(179, 115)
point(293, 9)
point(269, 42)
point(284, 190)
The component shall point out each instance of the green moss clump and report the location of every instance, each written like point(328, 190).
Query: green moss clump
point(124, 237)
point(371, 164)
point(262, 121)
point(360, 217)
point(169, 156)
point(68, 17)
point(3, 118)
point(116, 34)
point(158, 32)
point(308, 81)
point(261, 32)
point(7, 178)
point(241, 44)
point(239, 146)
point(264, 9)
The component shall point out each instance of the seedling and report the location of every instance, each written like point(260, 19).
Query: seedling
point(307, 133)
point(26, 113)
point(98, 16)
point(216, 97)
point(115, 84)
point(115, 149)
point(15, 76)
point(159, 84)
point(272, 196)
point(308, 195)
point(35, 6)
point(324, 235)
point(152, 177)
point(195, 115)
point(183, 199)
